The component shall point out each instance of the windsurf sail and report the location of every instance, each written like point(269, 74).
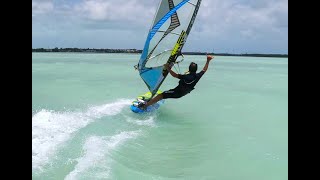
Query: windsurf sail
point(168, 33)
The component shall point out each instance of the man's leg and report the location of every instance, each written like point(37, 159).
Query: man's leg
point(154, 100)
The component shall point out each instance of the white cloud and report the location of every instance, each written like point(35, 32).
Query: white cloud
point(243, 25)
point(115, 10)
point(41, 6)
point(232, 14)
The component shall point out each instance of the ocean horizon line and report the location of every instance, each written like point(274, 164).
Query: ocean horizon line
point(137, 51)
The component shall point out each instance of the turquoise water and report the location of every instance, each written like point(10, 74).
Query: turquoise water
point(234, 125)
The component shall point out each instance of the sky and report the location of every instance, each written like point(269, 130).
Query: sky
point(222, 26)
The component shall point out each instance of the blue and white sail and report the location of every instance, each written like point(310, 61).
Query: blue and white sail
point(169, 31)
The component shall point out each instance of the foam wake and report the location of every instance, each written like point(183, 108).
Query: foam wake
point(51, 129)
point(96, 150)
point(148, 122)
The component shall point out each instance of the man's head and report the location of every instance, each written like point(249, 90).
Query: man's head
point(193, 67)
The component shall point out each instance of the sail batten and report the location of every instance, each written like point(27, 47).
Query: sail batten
point(172, 24)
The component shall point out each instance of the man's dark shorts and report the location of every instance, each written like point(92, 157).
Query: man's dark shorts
point(174, 93)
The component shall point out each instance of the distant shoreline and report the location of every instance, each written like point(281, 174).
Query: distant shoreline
point(135, 51)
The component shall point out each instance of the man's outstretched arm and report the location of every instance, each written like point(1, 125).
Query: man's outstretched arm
point(209, 58)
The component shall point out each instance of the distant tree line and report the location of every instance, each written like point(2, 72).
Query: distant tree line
point(228, 54)
point(90, 50)
point(87, 50)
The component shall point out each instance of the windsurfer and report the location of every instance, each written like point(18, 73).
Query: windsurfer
point(186, 83)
